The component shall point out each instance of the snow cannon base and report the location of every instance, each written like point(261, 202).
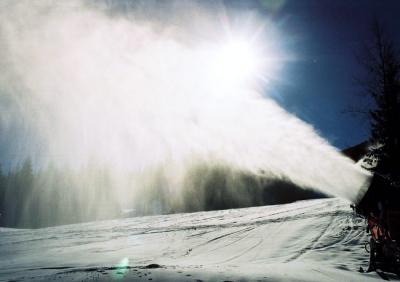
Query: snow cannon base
point(380, 206)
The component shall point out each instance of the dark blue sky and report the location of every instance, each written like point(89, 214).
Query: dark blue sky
point(325, 35)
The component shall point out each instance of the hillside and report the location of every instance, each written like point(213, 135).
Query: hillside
point(314, 240)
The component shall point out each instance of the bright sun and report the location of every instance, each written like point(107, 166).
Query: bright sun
point(238, 60)
point(241, 61)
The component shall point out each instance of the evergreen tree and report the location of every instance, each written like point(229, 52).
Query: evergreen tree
point(381, 63)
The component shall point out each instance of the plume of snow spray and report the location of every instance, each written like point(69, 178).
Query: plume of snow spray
point(79, 83)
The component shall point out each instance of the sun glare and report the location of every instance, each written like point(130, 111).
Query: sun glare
point(237, 60)
point(243, 60)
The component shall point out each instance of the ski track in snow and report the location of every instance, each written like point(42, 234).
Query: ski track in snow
point(316, 240)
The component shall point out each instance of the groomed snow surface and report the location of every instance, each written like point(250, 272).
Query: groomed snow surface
point(315, 240)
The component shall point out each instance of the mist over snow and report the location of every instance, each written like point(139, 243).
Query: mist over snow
point(145, 93)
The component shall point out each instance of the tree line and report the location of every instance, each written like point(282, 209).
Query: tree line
point(52, 196)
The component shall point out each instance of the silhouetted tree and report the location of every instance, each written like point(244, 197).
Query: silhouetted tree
point(381, 63)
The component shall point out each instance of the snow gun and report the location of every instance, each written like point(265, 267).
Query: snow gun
point(380, 206)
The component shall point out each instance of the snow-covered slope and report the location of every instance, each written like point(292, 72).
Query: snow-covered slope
point(316, 240)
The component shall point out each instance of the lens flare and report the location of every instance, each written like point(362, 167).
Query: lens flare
point(121, 268)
